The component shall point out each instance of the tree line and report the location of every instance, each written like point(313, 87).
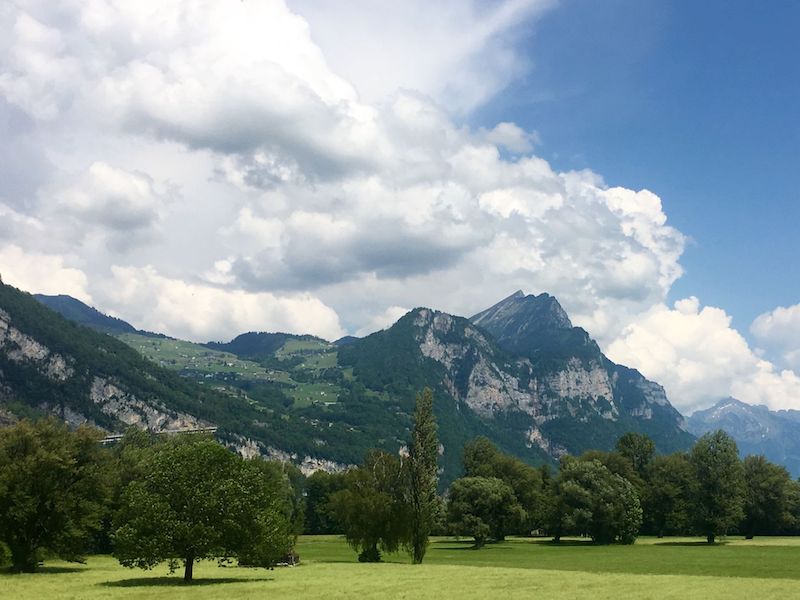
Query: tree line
point(180, 499)
point(609, 497)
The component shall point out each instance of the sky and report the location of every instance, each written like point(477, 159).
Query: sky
point(208, 167)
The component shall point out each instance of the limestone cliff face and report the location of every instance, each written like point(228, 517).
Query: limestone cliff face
point(21, 348)
point(578, 390)
point(523, 360)
point(101, 391)
point(132, 411)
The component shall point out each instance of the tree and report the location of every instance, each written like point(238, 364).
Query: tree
point(638, 449)
point(718, 498)
point(765, 498)
point(371, 508)
point(483, 459)
point(483, 508)
point(667, 498)
point(422, 476)
point(590, 499)
point(198, 500)
point(320, 486)
point(53, 488)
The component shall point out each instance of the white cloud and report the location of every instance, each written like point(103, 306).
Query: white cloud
point(309, 188)
point(699, 358)
point(42, 273)
point(778, 332)
point(383, 320)
point(201, 312)
point(511, 137)
point(459, 53)
point(126, 204)
point(286, 173)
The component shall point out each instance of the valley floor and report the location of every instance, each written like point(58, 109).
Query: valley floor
point(682, 568)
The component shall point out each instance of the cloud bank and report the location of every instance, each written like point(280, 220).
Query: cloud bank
point(205, 168)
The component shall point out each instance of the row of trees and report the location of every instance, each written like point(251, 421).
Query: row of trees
point(185, 498)
point(608, 496)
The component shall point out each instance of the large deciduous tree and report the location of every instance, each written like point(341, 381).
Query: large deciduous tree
point(590, 499)
point(372, 509)
point(667, 499)
point(719, 484)
point(765, 497)
point(53, 487)
point(198, 500)
point(320, 486)
point(483, 508)
point(484, 459)
point(422, 477)
point(638, 448)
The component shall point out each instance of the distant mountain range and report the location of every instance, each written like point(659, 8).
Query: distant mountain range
point(518, 373)
point(756, 429)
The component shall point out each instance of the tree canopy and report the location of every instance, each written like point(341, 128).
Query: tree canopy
point(590, 499)
point(371, 509)
point(198, 500)
point(483, 508)
point(53, 490)
point(718, 498)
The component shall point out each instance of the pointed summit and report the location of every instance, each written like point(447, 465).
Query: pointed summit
point(542, 312)
point(531, 325)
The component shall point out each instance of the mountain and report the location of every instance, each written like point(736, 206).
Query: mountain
point(75, 310)
point(756, 429)
point(49, 364)
point(52, 365)
point(83, 314)
point(579, 398)
point(258, 345)
point(518, 373)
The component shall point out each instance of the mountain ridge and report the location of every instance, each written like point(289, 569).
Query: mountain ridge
point(518, 372)
point(756, 429)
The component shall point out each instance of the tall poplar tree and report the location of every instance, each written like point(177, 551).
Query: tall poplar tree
point(423, 476)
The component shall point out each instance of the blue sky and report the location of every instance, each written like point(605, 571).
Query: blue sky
point(696, 101)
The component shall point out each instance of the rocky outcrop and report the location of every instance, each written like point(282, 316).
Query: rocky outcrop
point(21, 348)
point(132, 411)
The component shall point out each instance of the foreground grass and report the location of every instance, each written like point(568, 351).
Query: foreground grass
point(674, 568)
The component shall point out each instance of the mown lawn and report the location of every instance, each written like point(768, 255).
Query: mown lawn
point(670, 568)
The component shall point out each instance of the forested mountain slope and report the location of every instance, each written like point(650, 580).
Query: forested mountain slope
point(518, 373)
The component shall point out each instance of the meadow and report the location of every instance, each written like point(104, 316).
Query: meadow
point(518, 568)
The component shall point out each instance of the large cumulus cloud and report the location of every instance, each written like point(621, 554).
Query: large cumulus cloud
point(778, 332)
point(205, 167)
point(699, 358)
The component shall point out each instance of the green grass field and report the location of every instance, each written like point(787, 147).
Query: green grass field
point(519, 568)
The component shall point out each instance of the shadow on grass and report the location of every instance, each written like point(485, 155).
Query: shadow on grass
point(43, 571)
point(568, 543)
point(178, 581)
point(691, 544)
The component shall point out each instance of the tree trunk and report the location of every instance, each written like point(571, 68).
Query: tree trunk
point(189, 568)
point(710, 538)
point(23, 559)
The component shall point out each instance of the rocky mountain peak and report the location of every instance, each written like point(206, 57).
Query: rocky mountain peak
point(519, 312)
